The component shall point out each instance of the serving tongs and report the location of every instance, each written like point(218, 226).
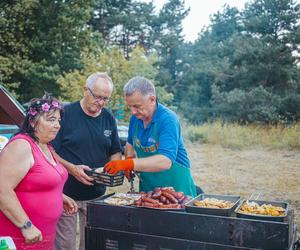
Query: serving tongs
point(254, 196)
point(132, 175)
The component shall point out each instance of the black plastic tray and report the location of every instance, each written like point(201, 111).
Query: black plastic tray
point(189, 207)
point(263, 217)
point(106, 179)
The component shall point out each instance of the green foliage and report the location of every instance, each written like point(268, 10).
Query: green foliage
point(271, 19)
point(125, 24)
point(289, 108)
point(197, 134)
point(128, 23)
point(40, 40)
point(256, 105)
point(118, 68)
point(243, 67)
point(170, 42)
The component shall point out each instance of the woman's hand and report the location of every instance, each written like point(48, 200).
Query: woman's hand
point(70, 206)
point(32, 235)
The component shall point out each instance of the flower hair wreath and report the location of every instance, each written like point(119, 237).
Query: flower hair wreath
point(41, 106)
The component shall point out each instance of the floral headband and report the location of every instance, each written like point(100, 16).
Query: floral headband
point(42, 106)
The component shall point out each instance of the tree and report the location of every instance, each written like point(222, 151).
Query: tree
point(206, 62)
point(124, 23)
point(168, 30)
point(40, 40)
point(246, 63)
point(118, 68)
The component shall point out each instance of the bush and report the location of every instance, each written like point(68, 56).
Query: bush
point(256, 105)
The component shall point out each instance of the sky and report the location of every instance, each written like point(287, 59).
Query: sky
point(200, 11)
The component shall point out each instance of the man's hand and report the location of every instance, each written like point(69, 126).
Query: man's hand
point(80, 175)
point(115, 166)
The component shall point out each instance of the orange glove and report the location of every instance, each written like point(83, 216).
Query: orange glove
point(115, 166)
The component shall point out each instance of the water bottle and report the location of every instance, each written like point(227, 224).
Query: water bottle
point(3, 245)
point(7, 243)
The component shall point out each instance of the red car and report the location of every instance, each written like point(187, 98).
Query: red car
point(12, 115)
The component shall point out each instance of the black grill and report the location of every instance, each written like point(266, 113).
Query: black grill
point(139, 228)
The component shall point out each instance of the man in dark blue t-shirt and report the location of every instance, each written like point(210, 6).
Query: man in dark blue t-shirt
point(88, 138)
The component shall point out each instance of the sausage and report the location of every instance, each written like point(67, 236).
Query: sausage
point(148, 204)
point(149, 194)
point(170, 206)
point(138, 203)
point(185, 200)
point(163, 199)
point(156, 194)
point(170, 197)
point(168, 188)
point(150, 200)
point(181, 199)
point(178, 195)
point(158, 205)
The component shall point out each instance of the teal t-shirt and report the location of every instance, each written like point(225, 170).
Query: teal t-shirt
point(168, 129)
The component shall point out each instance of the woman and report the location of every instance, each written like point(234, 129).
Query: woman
point(32, 180)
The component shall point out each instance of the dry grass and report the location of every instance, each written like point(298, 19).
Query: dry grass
point(238, 137)
point(274, 174)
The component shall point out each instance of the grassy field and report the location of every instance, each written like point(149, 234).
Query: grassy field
point(248, 136)
point(272, 174)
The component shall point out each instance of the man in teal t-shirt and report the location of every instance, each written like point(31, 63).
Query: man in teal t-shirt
point(154, 146)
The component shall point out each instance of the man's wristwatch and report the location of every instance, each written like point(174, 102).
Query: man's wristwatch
point(26, 225)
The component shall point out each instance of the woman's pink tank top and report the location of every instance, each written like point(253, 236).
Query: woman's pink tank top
point(40, 194)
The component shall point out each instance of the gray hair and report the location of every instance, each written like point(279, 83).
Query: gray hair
point(95, 76)
point(139, 84)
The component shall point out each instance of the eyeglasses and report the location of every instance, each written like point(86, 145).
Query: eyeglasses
point(99, 98)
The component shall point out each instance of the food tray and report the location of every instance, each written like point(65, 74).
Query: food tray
point(137, 195)
point(121, 199)
point(263, 217)
point(189, 207)
point(106, 179)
